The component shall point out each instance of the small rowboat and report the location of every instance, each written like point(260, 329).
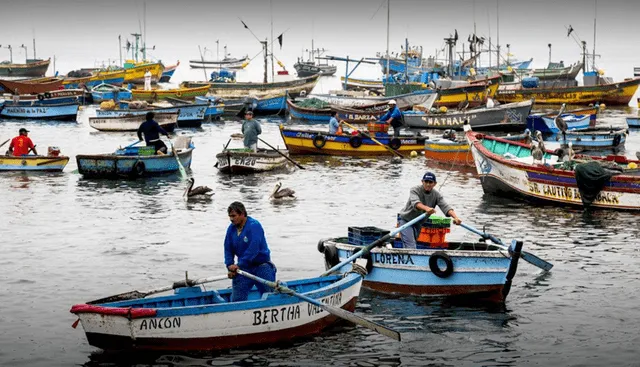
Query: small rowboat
point(592, 139)
point(158, 94)
point(198, 319)
point(243, 161)
point(131, 122)
point(61, 112)
point(105, 92)
point(633, 122)
point(119, 164)
point(33, 86)
point(33, 163)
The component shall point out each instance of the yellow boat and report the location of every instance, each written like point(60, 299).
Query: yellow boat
point(33, 163)
point(134, 71)
point(476, 92)
point(322, 143)
point(113, 77)
point(180, 93)
point(612, 94)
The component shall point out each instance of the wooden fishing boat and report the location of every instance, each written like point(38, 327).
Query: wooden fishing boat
point(318, 142)
point(123, 164)
point(113, 77)
point(168, 73)
point(558, 71)
point(573, 119)
point(200, 319)
point(189, 115)
point(134, 71)
point(612, 94)
point(362, 84)
point(271, 105)
point(257, 90)
point(59, 96)
point(308, 68)
point(105, 92)
point(159, 94)
point(435, 268)
point(425, 98)
point(633, 122)
point(504, 117)
point(216, 107)
point(592, 139)
point(31, 86)
point(475, 94)
point(507, 168)
point(33, 163)
point(574, 122)
point(453, 150)
point(36, 68)
point(359, 115)
point(60, 112)
point(242, 161)
point(131, 122)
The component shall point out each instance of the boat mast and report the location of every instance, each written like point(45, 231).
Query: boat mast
point(475, 42)
point(498, 34)
point(34, 47)
point(265, 45)
point(144, 40)
point(272, 64)
point(386, 78)
point(120, 48)
point(593, 63)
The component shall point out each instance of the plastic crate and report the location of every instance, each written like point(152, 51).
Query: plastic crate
point(361, 236)
point(375, 127)
point(435, 221)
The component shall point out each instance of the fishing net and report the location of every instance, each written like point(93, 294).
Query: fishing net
point(312, 103)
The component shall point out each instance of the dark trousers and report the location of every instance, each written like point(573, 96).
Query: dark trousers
point(159, 145)
point(241, 286)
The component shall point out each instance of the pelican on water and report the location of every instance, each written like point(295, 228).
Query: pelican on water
point(200, 192)
point(282, 194)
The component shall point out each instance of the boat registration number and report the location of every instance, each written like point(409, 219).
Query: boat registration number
point(245, 161)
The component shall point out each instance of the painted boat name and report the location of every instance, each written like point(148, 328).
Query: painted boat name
point(161, 323)
point(393, 259)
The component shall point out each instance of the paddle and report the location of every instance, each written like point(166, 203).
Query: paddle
point(282, 154)
point(5, 142)
point(137, 294)
point(183, 173)
point(132, 144)
point(528, 257)
point(374, 140)
point(343, 314)
point(375, 243)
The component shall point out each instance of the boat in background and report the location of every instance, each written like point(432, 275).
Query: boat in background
point(59, 112)
point(50, 163)
point(227, 62)
point(32, 86)
point(189, 114)
point(105, 92)
point(33, 68)
point(633, 122)
point(243, 161)
point(257, 90)
point(156, 94)
point(168, 73)
point(59, 96)
point(216, 107)
point(131, 122)
point(134, 71)
point(114, 77)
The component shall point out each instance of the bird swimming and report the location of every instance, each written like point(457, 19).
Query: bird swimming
point(282, 194)
point(200, 192)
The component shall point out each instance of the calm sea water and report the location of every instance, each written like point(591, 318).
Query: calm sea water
point(67, 240)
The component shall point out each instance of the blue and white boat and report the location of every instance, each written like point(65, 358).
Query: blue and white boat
point(61, 112)
point(592, 139)
point(271, 105)
point(215, 107)
point(198, 319)
point(130, 162)
point(572, 118)
point(633, 122)
point(105, 92)
point(477, 270)
point(189, 115)
point(574, 122)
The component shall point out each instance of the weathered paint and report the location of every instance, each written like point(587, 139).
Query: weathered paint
point(33, 163)
point(248, 162)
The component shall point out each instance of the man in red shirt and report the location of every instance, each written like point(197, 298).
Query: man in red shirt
point(22, 144)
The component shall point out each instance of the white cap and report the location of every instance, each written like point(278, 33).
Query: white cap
point(393, 101)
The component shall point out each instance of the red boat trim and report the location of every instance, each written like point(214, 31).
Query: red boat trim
point(129, 312)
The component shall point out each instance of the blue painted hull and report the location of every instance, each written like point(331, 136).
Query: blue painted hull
point(189, 115)
point(114, 166)
point(51, 112)
point(93, 83)
point(116, 96)
point(319, 116)
point(592, 139)
point(214, 109)
point(51, 101)
point(275, 105)
point(481, 272)
point(166, 76)
point(546, 124)
point(633, 121)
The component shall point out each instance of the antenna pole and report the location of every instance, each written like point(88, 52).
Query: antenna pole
point(388, 17)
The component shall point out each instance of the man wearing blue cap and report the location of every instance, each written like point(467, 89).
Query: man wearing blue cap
point(422, 198)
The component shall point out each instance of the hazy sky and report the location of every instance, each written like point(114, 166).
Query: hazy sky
point(83, 33)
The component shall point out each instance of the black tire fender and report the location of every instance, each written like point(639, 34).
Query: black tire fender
point(367, 256)
point(319, 141)
point(321, 245)
point(40, 97)
point(355, 141)
point(395, 143)
point(435, 269)
point(138, 169)
point(47, 95)
point(331, 257)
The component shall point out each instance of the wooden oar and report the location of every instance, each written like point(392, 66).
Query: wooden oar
point(343, 314)
point(5, 142)
point(375, 243)
point(50, 161)
point(373, 139)
point(527, 256)
point(138, 294)
point(183, 173)
point(282, 154)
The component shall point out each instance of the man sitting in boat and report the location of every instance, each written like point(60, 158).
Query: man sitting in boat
point(21, 144)
point(251, 129)
point(152, 131)
point(334, 126)
point(393, 117)
point(245, 240)
point(422, 198)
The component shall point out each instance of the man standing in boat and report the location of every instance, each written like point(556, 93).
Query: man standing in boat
point(422, 198)
point(393, 117)
point(245, 241)
point(21, 144)
point(147, 80)
point(334, 125)
point(152, 130)
point(251, 129)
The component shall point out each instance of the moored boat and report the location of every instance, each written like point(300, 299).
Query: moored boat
point(633, 122)
point(36, 68)
point(114, 77)
point(241, 161)
point(34, 86)
point(131, 122)
point(473, 94)
point(592, 139)
point(105, 92)
point(358, 115)
point(129, 162)
point(59, 96)
point(159, 94)
point(574, 120)
point(199, 319)
point(425, 98)
point(168, 73)
point(189, 115)
point(134, 71)
point(60, 112)
point(243, 89)
point(216, 107)
point(508, 169)
point(307, 68)
point(33, 163)
point(300, 141)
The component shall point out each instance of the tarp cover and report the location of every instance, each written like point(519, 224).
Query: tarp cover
point(591, 177)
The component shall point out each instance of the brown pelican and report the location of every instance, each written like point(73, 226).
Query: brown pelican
point(463, 105)
point(538, 150)
point(282, 194)
point(200, 192)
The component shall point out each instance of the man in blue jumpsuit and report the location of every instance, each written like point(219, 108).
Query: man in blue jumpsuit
point(393, 117)
point(245, 241)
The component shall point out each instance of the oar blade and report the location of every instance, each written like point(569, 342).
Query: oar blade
point(118, 297)
point(351, 317)
point(536, 261)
